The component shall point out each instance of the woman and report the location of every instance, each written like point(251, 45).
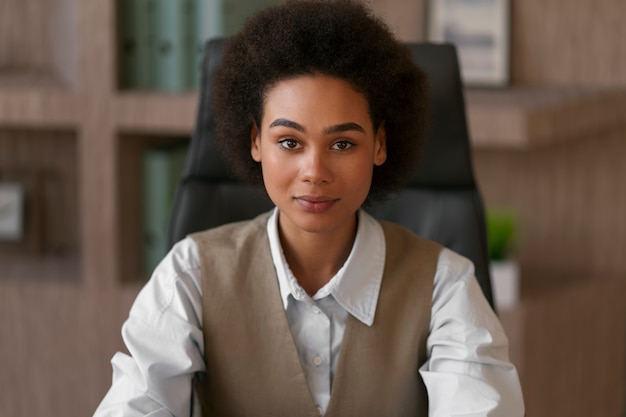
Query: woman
point(315, 308)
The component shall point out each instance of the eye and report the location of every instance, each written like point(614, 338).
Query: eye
point(342, 145)
point(289, 144)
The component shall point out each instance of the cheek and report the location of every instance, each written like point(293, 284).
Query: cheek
point(359, 174)
point(277, 171)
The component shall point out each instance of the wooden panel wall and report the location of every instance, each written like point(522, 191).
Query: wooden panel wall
point(568, 42)
point(57, 340)
point(404, 17)
point(23, 30)
point(568, 345)
point(570, 197)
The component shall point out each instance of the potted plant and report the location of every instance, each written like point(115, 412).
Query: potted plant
point(505, 270)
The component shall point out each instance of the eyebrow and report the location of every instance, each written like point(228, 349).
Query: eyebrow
point(343, 127)
point(288, 123)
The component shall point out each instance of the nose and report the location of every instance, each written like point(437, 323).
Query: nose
point(316, 168)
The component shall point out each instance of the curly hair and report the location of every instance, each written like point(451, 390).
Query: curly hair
point(342, 39)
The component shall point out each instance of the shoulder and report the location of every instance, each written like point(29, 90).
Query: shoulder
point(457, 292)
point(172, 287)
point(453, 264)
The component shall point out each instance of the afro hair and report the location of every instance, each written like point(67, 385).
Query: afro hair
point(342, 39)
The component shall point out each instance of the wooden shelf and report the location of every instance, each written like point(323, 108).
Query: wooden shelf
point(28, 78)
point(156, 113)
point(54, 268)
point(38, 108)
point(527, 117)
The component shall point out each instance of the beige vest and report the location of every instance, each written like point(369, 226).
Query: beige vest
point(253, 368)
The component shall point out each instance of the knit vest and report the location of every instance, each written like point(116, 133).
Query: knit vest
point(252, 364)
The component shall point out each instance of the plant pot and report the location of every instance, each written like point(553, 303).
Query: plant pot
point(505, 282)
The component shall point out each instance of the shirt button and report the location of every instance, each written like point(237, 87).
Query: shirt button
point(317, 361)
point(316, 310)
point(319, 410)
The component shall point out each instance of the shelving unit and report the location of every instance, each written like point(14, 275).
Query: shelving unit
point(61, 113)
point(108, 128)
point(59, 101)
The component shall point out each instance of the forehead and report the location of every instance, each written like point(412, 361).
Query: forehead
point(316, 97)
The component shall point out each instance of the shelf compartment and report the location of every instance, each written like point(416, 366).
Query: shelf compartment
point(131, 148)
point(45, 165)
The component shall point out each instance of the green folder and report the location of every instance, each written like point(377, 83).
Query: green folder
point(162, 168)
point(207, 24)
point(134, 44)
point(171, 51)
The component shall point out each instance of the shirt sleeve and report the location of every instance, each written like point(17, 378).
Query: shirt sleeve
point(468, 371)
point(163, 335)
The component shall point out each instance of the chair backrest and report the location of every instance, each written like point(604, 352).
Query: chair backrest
point(441, 202)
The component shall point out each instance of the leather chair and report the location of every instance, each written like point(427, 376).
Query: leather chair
point(441, 202)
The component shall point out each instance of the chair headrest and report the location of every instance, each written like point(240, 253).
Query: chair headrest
point(446, 158)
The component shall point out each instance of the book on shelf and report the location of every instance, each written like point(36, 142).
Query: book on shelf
point(171, 51)
point(155, 41)
point(162, 168)
point(234, 13)
point(161, 42)
point(135, 35)
point(207, 24)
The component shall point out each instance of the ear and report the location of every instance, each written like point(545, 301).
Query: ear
point(255, 142)
point(380, 145)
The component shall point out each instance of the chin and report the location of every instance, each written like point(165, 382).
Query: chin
point(319, 222)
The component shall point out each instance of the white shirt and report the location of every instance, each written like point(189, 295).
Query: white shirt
point(468, 371)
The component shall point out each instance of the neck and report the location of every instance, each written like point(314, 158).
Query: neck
point(314, 258)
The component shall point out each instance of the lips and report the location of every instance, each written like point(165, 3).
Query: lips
point(315, 204)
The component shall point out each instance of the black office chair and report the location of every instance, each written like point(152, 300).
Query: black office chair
point(441, 202)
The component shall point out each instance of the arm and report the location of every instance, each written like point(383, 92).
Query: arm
point(163, 334)
point(468, 371)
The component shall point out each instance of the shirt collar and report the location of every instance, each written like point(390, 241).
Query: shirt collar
point(356, 286)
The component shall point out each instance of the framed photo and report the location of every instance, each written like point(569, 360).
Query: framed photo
point(480, 31)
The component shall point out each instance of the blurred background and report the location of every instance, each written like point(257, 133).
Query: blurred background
point(99, 97)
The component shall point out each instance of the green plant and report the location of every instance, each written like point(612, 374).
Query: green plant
point(500, 233)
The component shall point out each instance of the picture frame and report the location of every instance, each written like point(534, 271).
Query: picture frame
point(480, 29)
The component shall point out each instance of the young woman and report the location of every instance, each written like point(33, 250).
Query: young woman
point(315, 308)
